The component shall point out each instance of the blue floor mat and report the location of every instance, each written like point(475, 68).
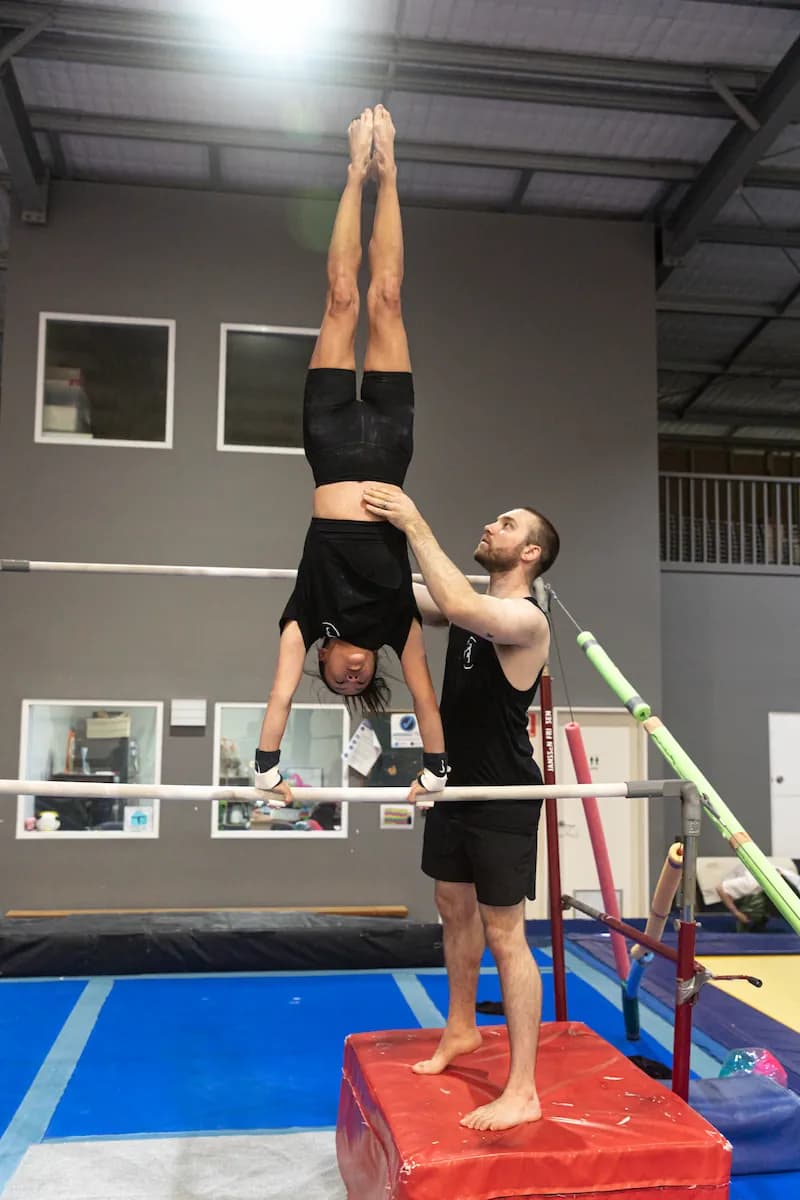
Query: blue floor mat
point(180, 1055)
point(185, 1054)
point(31, 1017)
point(784, 1186)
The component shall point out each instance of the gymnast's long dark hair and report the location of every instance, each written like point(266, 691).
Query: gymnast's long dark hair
point(374, 698)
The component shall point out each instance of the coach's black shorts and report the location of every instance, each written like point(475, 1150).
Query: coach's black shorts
point(489, 843)
point(350, 439)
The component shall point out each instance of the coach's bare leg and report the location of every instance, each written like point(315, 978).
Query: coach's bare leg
point(463, 948)
point(521, 987)
point(335, 345)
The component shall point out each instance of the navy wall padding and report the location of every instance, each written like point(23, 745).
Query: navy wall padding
point(759, 1118)
point(160, 943)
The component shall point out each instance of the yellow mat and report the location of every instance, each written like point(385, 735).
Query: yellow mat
point(779, 998)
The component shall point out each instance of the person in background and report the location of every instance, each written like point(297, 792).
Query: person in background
point(744, 897)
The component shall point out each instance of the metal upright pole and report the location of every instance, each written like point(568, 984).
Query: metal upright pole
point(685, 984)
point(553, 855)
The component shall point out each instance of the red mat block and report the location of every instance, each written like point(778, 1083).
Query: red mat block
point(607, 1129)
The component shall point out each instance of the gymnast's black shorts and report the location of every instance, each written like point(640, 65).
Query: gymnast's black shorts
point(489, 843)
point(350, 439)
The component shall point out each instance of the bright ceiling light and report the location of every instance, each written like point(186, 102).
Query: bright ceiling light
point(274, 27)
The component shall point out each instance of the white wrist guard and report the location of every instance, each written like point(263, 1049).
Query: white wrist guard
point(267, 780)
point(431, 782)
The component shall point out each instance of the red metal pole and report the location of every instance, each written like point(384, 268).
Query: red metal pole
point(629, 931)
point(553, 856)
point(682, 1043)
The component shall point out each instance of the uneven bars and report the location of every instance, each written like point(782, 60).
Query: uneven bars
point(24, 566)
point(156, 791)
point(722, 817)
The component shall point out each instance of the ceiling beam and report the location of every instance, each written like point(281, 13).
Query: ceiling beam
point(523, 183)
point(215, 178)
point(732, 417)
point(102, 125)
point(717, 306)
point(788, 5)
point(93, 30)
point(691, 367)
point(432, 68)
point(753, 235)
point(775, 106)
point(110, 20)
point(744, 345)
point(60, 169)
point(737, 107)
point(18, 41)
point(28, 172)
point(726, 441)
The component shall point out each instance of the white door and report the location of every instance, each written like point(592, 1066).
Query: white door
point(617, 750)
point(784, 782)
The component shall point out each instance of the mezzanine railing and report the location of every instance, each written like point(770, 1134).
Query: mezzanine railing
point(729, 521)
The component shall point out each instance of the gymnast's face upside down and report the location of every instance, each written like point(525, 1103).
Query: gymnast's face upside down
point(346, 669)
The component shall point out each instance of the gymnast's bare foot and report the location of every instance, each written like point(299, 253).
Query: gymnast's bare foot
point(383, 162)
point(359, 133)
point(505, 1112)
point(451, 1045)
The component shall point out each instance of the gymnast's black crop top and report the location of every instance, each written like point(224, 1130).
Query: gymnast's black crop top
point(354, 583)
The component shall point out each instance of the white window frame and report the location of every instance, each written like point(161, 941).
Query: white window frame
point(234, 327)
point(77, 439)
point(302, 835)
point(62, 835)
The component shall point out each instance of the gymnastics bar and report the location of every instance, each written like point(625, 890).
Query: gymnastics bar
point(714, 806)
point(24, 565)
point(363, 795)
point(726, 821)
point(686, 972)
point(553, 849)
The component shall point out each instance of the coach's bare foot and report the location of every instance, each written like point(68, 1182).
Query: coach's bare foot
point(359, 133)
point(505, 1112)
point(383, 143)
point(451, 1045)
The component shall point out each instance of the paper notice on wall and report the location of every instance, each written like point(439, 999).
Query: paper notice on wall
point(363, 750)
point(404, 731)
point(397, 816)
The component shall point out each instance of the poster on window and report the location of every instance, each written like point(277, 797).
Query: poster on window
point(137, 819)
point(404, 731)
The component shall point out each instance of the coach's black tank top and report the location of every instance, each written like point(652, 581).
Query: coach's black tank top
point(485, 719)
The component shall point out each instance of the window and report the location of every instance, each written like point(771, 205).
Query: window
point(89, 741)
point(262, 371)
point(311, 756)
point(104, 380)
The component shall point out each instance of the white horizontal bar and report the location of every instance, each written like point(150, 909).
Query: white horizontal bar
point(86, 568)
point(143, 791)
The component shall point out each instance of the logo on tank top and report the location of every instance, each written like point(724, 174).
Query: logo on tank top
point(469, 647)
point(330, 630)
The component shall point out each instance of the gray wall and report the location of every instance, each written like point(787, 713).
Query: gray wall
point(534, 350)
point(730, 658)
